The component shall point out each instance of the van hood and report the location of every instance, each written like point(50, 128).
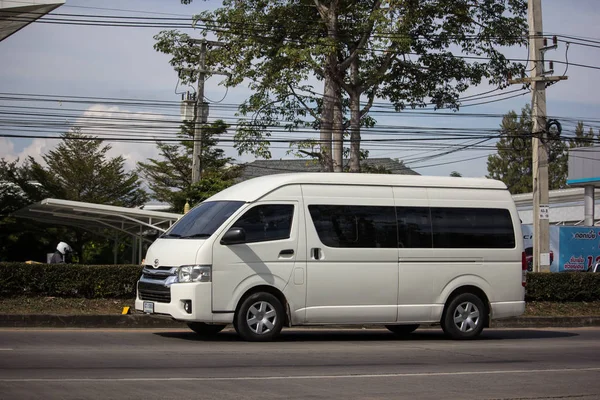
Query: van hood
point(173, 252)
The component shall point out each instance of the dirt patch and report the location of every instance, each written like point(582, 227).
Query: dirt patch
point(552, 309)
point(63, 306)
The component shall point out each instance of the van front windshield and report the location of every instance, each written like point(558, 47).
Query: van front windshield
point(202, 221)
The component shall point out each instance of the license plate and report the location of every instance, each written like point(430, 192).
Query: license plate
point(148, 307)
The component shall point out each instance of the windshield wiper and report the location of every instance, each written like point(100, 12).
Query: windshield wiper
point(171, 235)
point(196, 236)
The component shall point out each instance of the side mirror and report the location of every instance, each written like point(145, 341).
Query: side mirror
point(234, 236)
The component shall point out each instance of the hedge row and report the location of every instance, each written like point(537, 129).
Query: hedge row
point(69, 280)
point(118, 281)
point(564, 286)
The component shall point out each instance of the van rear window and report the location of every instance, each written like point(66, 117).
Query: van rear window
point(488, 228)
point(413, 227)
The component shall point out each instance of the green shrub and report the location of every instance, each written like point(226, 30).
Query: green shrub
point(564, 286)
point(119, 282)
point(69, 280)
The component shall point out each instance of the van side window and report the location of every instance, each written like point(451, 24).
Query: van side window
point(267, 222)
point(489, 228)
point(414, 227)
point(355, 226)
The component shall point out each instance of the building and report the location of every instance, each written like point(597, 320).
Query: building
point(270, 167)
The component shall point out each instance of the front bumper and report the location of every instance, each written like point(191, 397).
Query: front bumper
point(199, 293)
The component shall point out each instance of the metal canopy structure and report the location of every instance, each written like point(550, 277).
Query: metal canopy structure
point(98, 218)
point(15, 15)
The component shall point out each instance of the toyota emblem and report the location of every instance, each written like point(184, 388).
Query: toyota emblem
point(156, 263)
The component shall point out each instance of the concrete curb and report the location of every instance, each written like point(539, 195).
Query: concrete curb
point(144, 321)
point(546, 322)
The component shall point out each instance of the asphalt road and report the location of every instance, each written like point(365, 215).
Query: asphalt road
point(304, 364)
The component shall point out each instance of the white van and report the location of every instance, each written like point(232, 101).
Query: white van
point(323, 248)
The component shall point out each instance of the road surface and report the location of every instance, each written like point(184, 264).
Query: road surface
point(303, 364)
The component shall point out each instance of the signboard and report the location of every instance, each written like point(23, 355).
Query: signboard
point(572, 248)
point(579, 247)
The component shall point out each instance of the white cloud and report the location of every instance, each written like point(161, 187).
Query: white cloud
point(7, 149)
point(107, 122)
point(36, 149)
point(104, 121)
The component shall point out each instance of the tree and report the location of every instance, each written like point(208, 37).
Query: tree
point(395, 50)
point(455, 174)
point(79, 169)
point(581, 138)
point(513, 162)
point(170, 178)
point(20, 240)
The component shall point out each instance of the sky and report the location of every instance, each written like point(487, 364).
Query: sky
point(77, 68)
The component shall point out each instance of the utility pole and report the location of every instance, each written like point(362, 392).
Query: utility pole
point(201, 109)
point(538, 81)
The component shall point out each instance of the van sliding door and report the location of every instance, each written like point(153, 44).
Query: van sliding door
point(416, 265)
point(352, 260)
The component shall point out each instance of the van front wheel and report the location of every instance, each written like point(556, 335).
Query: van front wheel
point(259, 318)
point(464, 317)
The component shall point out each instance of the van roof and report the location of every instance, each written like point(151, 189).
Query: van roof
point(253, 189)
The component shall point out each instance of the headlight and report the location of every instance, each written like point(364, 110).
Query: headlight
point(194, 273)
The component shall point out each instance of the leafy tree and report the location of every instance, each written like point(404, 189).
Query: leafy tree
point(170, 178)
point(20, 240)
point(12, 196)
point(513, 162)
point(455, 174)
point(79, 169)
point(403, 51)
point(581, 138)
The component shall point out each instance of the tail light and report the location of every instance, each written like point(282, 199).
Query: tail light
point(523, 269)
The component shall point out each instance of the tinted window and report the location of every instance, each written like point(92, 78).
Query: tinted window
point(414, 227)
point(355, 226)
point(267, 222)
point(203, 220)
point(472, 228)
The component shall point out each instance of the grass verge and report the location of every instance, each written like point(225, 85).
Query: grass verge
point(77, 306)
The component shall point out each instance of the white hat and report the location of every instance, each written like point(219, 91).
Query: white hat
point(63, 248)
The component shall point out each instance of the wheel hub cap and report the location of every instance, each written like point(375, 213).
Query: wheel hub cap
point(261, 317)
point(466, 317)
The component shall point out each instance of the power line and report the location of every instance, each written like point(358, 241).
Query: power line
point(176, 104)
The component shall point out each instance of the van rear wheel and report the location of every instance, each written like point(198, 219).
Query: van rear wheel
point(464, 317)
point(259, 317)
point(205, 329)
point(402, 330)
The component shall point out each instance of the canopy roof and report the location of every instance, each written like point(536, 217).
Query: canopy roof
point(98, 217)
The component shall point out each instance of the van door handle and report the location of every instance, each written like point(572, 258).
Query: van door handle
point(287, 252)
point(316, 253)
